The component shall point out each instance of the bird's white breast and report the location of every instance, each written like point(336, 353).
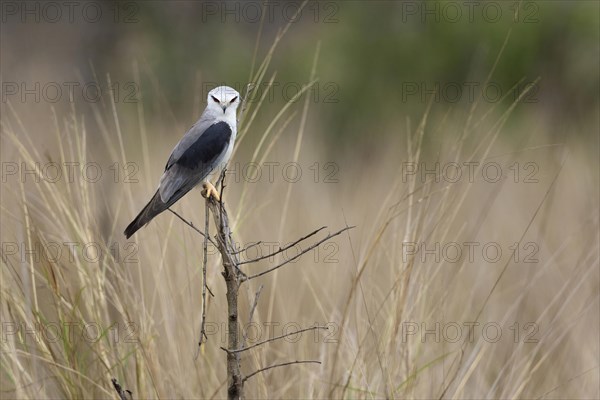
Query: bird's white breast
point(231, 119)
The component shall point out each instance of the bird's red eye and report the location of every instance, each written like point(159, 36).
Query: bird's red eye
point(232, 100)
point(215, 99)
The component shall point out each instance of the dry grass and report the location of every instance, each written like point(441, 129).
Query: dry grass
point(143, 316)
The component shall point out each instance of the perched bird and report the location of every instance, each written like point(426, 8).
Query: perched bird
point(200, 155)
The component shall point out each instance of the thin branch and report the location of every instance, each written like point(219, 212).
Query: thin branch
point(312, 328)
point(204, 285)
point(280, 365)
point(123, 394)
point(281, 250)
point(301, 253)
point(246, 248)
point(252, 309)
point(200, 232)
point(192, 226)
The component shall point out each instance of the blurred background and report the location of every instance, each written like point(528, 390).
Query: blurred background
point(395, 89)
point(372, 56)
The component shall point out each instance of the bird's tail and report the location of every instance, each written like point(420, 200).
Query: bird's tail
point(152, 209)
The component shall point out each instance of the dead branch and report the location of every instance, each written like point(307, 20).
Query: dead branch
point(188, 223)
point(247, 247)
point(204, 284)
point(201, 233)
point(233, 279)
point(280, 365)
point(281, 250)
point(300, 254)
point(312, 328)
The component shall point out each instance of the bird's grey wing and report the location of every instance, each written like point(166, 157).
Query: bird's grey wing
point(189, 138)
point(194, 157)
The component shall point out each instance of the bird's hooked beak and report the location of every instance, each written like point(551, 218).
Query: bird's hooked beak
point(224, 108)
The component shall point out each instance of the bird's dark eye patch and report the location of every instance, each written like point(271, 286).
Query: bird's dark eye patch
point(215, 99)
point(232, 100)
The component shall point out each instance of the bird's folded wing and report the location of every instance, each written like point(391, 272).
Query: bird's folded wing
point(195, 156)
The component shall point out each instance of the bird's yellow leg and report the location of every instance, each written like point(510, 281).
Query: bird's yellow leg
point(209, 190)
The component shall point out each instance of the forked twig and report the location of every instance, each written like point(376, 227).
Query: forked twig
point(246, 248)
point(233, 277)
point(312, 328)
point(300, 254)
point(281, 250)
point(227, 241)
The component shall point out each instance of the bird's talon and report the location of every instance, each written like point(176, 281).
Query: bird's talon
point(209, 190)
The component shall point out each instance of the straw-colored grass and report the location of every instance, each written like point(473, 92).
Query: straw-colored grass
point(73, 322)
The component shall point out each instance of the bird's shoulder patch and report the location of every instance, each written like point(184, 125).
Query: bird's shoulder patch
point(205, 150)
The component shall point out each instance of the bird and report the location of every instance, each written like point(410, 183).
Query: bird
point(201, 154)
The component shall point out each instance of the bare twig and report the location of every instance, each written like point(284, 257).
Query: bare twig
point(234, 277)
point(300, 254)
point(193, 227)
point(252, 309)
point(312, 328)
point(280, 365)
point(204, 285)
point(123, 393)
point(281, 250)
point(200, 232)
point(246, 248)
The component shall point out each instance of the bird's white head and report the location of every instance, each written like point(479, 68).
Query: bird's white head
point(223, 100)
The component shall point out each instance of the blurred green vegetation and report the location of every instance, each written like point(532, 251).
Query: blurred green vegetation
point(372, 54)
point(371, 51)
